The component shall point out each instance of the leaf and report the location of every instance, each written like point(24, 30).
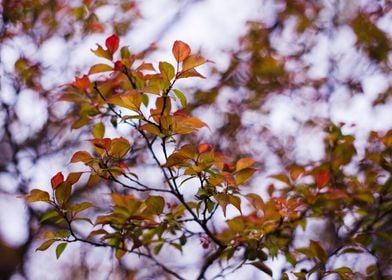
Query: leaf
point(63, 192)
point(244, 163)
point(81, 83)
point(262, 267)
point(153, 129)
point(223, 200)
point(99, 130)
point(99, 68)
point(256, 201)
point(155, 204)
point(186, 125)
point(322, 178)
point(73, 177)
point(296, 171)
point(45, 245)
point(80, 206)
point(167, 70)
point(236, 202)
point(125, 52)
point(102, 53)
point(112, 43)
point(119, 147)
point(36, 195)
point(318, 251)
point(48, 215)
point(243, 175)
point(131, 100)
point(181, 96)
point(282, 177)
point(202, 148)
point(57, 180)
point(180, 50)
point(82, 156)
point(192, 62)
point(60, 249)
point(189, 73)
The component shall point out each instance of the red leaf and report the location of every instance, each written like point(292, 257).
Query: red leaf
point(112, 43)
point(81, 83)
point(181, 50)
point(57, 180)
point(322, 178)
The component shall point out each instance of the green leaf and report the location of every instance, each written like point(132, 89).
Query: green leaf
point(181, 96)
point(167, 70)
point(49, 215)
point(60, 249)
point(99, 130)
point(80, 206)
point(262, 267)
point(45, 245)
point(125, 52)
point(155, 204)
point(158, 248)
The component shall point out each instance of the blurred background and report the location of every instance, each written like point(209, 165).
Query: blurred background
point(281, 71)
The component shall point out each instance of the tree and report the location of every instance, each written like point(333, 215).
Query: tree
point(201, 194)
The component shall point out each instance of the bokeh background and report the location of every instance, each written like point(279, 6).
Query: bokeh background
point(280, 69)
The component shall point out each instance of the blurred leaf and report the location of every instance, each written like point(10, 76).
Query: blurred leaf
point(155, 204)
point(60, 249)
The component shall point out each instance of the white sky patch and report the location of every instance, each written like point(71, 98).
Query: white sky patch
point(12, 223)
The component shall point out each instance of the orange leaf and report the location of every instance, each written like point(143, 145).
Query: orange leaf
point(102, 53)
point(100, 67)
point(82, 156)
point(190, 73)
point(244, 163)
point(181, 51)
point(112, 43)
point(57, 180)
point(322, 178)
point(192, 62)
point(81, 83)
point(202, 148)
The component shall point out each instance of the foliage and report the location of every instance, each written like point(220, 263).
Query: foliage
point(148, 183)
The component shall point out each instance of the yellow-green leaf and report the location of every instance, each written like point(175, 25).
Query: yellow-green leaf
point(99, 130)
point(155, 204)
point(46, 245)
point(60, 249)
point(167, 70)
point(181, 96)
